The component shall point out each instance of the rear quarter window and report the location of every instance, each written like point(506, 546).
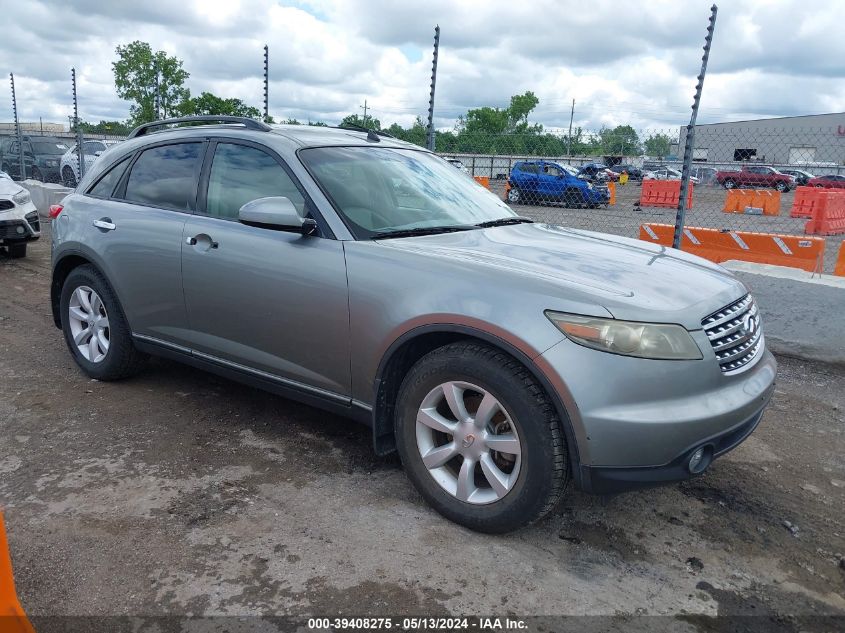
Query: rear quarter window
point(165, 176)
point(104, 187)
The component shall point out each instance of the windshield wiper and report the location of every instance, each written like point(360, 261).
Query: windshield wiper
point(423, 230)
point(514, 219)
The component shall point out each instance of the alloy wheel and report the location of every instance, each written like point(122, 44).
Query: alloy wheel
point(89, 324)
point(468, 442)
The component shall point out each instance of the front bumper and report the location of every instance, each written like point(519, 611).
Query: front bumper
point(20, 229)
point(636, 422)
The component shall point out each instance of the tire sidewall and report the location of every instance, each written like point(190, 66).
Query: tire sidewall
point(87, 276)
point(535, 481)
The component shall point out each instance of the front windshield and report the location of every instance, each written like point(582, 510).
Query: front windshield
point(380, 190)
point(52, 148)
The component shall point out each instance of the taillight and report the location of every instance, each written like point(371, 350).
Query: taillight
point(55, 210)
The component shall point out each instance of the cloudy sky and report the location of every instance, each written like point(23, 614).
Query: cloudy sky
point(622, 61)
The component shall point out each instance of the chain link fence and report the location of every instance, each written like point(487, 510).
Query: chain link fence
point(744, 176)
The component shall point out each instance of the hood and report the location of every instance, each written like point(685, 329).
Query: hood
point(9, 187)
point(632, 279)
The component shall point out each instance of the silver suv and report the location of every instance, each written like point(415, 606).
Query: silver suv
point(502, 358)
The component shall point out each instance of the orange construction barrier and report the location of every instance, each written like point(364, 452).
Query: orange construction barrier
point(752, 201)
point(484, 181)
point(804, 201)
point(720, 245)
point(663, 193)
point(828, 214)
point(12, 617)
point(611, 187)
point(839, 269)
point(507, 190)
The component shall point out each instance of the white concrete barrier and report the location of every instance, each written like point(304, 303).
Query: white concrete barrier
point(45, 194)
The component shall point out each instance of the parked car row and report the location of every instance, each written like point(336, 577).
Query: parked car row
point(48, 158)
point(42, 156)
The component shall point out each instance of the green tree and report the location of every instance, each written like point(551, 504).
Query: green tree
point(118, 128)
point(620, 141)
point(354, 120)
point(135, 73)
point(208, 103)
point(658, 145)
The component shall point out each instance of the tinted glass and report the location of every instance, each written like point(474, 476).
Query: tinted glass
point(164, 176)
point(528, 168)
point(92, 147)
point(105, 185)
point(240, 174)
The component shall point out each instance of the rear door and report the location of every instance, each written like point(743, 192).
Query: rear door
point(136, 227)
point(271, 302)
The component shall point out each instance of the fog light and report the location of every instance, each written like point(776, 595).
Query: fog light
point(696, 461)
point(20, 230)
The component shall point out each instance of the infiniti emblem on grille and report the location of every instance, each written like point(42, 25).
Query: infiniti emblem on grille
point(749, 324)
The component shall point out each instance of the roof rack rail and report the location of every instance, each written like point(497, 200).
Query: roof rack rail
point(361, 128)
point(248, 123)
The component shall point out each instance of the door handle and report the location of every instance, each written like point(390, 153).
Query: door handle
point(201, 238)
point(105, 224)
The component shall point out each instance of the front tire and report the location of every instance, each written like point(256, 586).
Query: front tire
point(781, 187)
point(730, 184)
point(573, 198)
point(95, 328)
point(17, 251)
point(68, 177)
point(515, 196)
point(480, 439)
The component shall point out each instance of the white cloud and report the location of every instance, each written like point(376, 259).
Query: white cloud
point(621, 62)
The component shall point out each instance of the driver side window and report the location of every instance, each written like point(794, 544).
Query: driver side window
point(240, 174)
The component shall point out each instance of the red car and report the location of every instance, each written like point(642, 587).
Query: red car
point(831, 181)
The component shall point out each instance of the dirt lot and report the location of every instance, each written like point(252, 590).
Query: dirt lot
point(179, 492)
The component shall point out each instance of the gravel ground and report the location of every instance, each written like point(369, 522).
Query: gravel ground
point(177, 492)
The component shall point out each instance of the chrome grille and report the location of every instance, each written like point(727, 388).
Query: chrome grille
point(736, 334)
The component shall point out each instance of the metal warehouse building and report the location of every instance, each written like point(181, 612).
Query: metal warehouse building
point(816, 139)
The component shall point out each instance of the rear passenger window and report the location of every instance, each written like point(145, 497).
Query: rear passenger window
point(105, 185)
point(240, 174)
point(165, 176)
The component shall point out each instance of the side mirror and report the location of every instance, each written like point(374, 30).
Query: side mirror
point(99, 152)
point(276, 213)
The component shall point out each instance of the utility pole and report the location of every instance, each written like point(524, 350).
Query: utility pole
point(569, 138)
point(365, 112)
point(690, 141)
point(430, 136)
point(158, 91)
point(266, 84)
point(17, 128)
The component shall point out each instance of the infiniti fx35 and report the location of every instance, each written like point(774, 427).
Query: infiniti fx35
point(502, 358)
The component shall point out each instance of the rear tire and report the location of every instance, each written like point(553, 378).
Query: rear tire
point(120, 359)
point(17, 251)
point(37, 175)
point(523, 418)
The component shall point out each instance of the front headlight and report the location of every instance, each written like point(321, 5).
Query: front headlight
point(659, 341)
point(50, 162)
point(22, 197)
